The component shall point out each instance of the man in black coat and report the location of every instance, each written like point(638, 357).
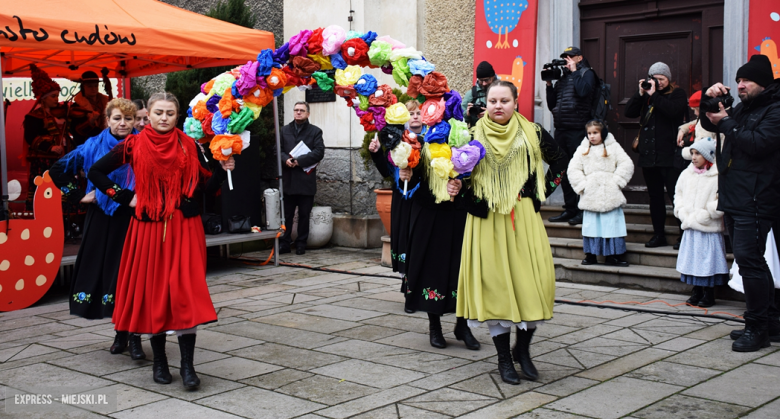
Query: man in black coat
point(749, 190)
point(571, 103)
point(662, 109)
point(298, 184)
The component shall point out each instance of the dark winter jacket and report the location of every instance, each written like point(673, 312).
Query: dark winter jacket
point(571, 99)
point(294, 180)
point(749, 162)
point(658, 138)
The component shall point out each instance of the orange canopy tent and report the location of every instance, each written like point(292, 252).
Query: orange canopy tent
point(129, 37)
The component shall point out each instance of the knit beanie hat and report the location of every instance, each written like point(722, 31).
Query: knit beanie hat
point(695, 100)
point(757, 70)
point(42, 84)
point(661, 69)
point(705, 147)
point(485, 70)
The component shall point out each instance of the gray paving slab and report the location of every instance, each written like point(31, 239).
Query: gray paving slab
point(673, 373)
point(450, 402)
point(690, 407)
point(257, 402)
point(767, 411)
point(369, 373)
point(749, 379)
point(717, 355)
point(172, 408)
point(287, 356)
point(326, 390)
point(371, 402)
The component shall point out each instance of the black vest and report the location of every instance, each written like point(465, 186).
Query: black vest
point(571, 111)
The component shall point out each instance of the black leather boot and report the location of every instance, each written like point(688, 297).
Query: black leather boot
point(505, 366)
point(615, 260)
point(187, 348)
point(709, 297)
point(437, 338)
point(773, 331)
point(590, 259)
point(563, 217)
point(463, 332)
point(522, 354)
point(577, 219)
point(754, 338)
point(696, 295)
point(160, 371)
point(120, 343)
point(136, 350)
point(657, 241)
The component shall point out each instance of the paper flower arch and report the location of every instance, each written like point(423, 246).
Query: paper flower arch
point(230, 102)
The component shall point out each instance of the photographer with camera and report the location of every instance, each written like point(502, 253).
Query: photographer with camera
point(570, 102)
point(662, 108)
point(474, 103)
point(749, 188)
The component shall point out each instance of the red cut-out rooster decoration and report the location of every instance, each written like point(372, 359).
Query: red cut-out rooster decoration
point(31, 250)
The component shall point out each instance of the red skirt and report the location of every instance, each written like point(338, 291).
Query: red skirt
point(162, 277)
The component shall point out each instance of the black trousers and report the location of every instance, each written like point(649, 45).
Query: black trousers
point(748, 240)
point(304, 204)
point(569, 140)
point(656, 178)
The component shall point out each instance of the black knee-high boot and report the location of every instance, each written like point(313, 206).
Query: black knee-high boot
point(160, 371)
point(187, 349)
point(120, 343)
point(463, 332)
point(434, 327)
point(522, 354)
point(505, 366)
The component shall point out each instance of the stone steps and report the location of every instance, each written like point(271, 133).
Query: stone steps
point(635, 214)
point(637, 233)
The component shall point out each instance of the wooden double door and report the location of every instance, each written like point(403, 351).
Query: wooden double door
point(622, 38)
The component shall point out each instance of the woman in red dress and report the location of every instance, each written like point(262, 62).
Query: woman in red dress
point(162, 287)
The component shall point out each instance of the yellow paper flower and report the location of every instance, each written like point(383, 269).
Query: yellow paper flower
point(442, 150)
point(397, 114)
point(324, 62)
point(400, 154)
point(255, 108)
point(442, 167)
point(349, 75)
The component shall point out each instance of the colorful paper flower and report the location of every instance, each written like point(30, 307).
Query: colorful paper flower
point(379, 53)
point(277, 79)
point(452, 106)
point(362, 102)
point(369, 37)
point(239, 121)
point(282, 54)
point(434, 85)
point(193, 128)
point(459, 133)
point(400, 155)
point(248, 77)
point(315, 41)
point(348, 76)
point(387, 68)
point(205, 125)
point(345, 91)
point(292, 78)
point(413, 90)
point(379, 117)
point(323, 81)
point(224, 145)
point(366, 85)
point(383, 96)
point(332, 38)
point(412, 139)
point(228, 104)
point(213, 103)
point(337, 61)
point(353, 35)
point(432, 111)
point(391, 135)
point(407, 52)
point(265, 62)
point(205, 88)
point(221, 82)
point(395, 43)
point(219, 124)
point(367, 121)
point(199, 111)
point(355, 52)
point(401, 72)
point(465, 158)
point(299, 43)
point(442, 166)
point(439, 133)
point(414, 158)
point(420, 67)
point(324, 62)
point(259, 96)
point(397, 114)
point(303, 66)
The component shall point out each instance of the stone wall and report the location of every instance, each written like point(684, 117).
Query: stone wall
point(334, 188)
point(449, 40)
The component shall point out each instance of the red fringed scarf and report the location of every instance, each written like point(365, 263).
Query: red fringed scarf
point(166, 167)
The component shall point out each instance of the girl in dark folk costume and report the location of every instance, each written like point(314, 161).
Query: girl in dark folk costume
point(401, 205)
point(434, 251)
point(162, 277)
point(507, 275)
point(93, 287)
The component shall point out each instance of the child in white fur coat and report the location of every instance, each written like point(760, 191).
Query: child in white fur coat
point(702, 258)
point(598, 171)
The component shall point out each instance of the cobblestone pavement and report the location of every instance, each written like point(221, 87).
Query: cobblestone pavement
point(294, 342)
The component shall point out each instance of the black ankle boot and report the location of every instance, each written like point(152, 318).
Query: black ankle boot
point(136, 350)
point(187, 348)
point(463, 332)
point(696, 295)
point(590, 259)
point(708, 300)
point(120, 343)
point(505, 366)
point(434, 325)
point(754, 338)
point(773, 331)
point(522, 354)
point(160, 371)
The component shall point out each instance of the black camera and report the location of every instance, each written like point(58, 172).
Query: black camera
point(553, 71)
point(477, 109)
point(646, 84)
point(710, 104)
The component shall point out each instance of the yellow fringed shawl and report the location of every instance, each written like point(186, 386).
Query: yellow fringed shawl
point(509, 149)
point(436, 184)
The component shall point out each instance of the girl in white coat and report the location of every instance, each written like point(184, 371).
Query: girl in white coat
point(702, 258)
point(598, 171)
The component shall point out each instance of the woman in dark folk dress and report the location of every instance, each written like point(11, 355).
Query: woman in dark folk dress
point(93, 287)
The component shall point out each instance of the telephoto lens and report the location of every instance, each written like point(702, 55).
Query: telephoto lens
point(646, 84)
point(711, 104)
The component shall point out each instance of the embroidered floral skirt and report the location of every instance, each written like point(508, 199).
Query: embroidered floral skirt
point(93, 287)
point(162, 278)
point(506, 271)
point(433, 257)
point(400, 210)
